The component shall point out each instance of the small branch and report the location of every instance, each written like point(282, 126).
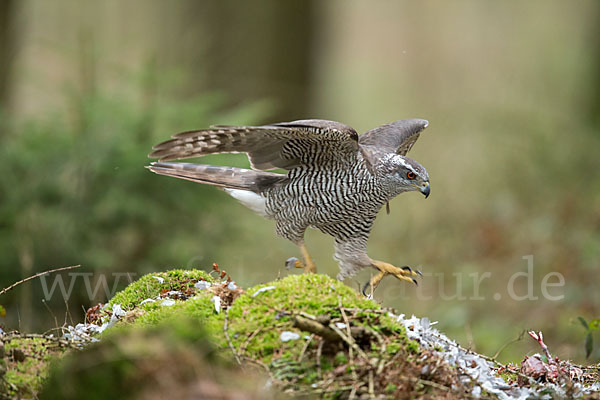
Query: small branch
point(225, 330)
point(350, 350)
point(75, 344)
point(51, 313)
point(382, 350)
point(316, 328)
point(351, 343)
point(505, 345)
point(248, 340)
point(305, 347)
point(319, 352)
point(37, 276)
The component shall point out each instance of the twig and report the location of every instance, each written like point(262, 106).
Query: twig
point(469, 334)
point(350, 341)
point(371, 385)
point(68, 313)
point(62, 342)
point(354, 388)
point(225, 327)
point(382, 350)
point(305, 347)
point(505, 345)
point(350, 350)
point(319, 352)
point(13, 387)
point(37, 276)
point(51, 313)
point(315, 327)
point(247, 341)
point(323, 391)
point(368, 310)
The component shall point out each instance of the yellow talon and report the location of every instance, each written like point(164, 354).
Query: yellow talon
point(404, 274)
point(308, 265)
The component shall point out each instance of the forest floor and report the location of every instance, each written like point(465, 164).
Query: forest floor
point(191, 334)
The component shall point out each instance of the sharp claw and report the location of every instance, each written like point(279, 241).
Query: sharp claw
point(364, 289)
point(416, 271)
point(290, 263)
point(415, 281)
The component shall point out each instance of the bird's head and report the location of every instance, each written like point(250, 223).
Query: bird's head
point(403, 174)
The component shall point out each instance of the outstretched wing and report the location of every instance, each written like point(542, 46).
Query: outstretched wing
point(284, 145)
point(397, 137)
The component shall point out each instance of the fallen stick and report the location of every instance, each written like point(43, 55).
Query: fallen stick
point(37, 276)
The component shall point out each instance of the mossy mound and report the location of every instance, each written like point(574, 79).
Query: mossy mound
point(317, 336)
point(310, 334)
point(313, 335)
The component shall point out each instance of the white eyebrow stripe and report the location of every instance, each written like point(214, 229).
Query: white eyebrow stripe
point(407, 165)
point(401, 160)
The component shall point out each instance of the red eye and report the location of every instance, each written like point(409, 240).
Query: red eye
point(411, 175)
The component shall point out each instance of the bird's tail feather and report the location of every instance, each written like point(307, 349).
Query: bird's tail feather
point(226, 177)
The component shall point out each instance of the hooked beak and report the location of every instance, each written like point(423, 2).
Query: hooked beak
point(425, 189)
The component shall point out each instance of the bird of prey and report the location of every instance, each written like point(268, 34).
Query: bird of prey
point(336, 180)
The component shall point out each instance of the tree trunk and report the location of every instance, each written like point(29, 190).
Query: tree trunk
point(6, 49)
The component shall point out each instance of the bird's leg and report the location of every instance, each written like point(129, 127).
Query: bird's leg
point(405, 273)
point(308, 265)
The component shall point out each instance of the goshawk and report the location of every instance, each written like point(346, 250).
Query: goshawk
point(336, 182)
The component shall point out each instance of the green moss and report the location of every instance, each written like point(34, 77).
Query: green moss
point(148, 286)
point(25, 364)
point(508, 376)
point(341, 358)
point(412, 346)
point(257, 322)
point(394, 347)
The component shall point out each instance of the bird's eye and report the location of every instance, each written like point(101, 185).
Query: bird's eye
point(411, 175)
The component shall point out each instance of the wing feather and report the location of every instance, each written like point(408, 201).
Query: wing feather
point(396, 137)
point(283, 145)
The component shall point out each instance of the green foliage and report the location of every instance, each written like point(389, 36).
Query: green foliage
point(74, 189)
point(590, 327)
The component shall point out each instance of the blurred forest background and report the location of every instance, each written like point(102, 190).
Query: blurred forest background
point(511, 90)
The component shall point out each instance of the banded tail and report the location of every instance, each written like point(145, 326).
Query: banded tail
point(245, 185)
